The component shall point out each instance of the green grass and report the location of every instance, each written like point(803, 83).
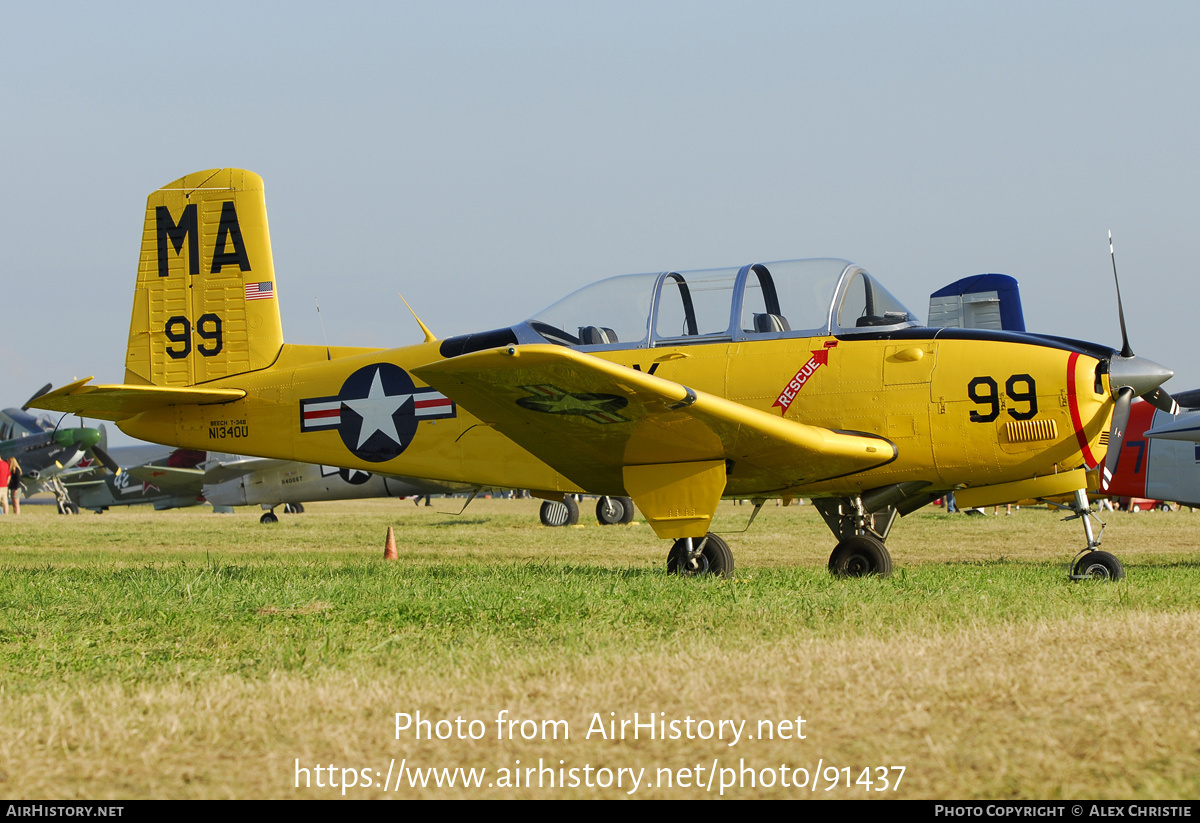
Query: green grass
point(489, 610)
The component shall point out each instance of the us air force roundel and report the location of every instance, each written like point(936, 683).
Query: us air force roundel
point(355, 477)
point(376, 413)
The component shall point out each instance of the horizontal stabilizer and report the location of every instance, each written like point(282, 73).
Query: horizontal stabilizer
point(231, 469)
point(118, 402)
point(1185, 427)
point(169, 478)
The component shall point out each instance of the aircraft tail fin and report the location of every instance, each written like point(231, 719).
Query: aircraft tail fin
point(206, 305)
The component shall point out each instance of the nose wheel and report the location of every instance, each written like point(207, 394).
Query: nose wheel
point(1091, 563)
point(1098, 565)
point(696, 556)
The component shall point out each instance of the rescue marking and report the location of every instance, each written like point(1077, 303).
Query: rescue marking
point(819, 358)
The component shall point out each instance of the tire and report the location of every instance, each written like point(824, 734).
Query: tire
point(268, 517)
point(554, 513)
point(714, 559)
point(627, 517)
point(613, 511)
point(859, 557)
point(1135, 508)
point(1098, 565)
point(293, 508)
point(1164, 507)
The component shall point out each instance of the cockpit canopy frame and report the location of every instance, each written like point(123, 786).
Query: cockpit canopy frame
point(789, 298)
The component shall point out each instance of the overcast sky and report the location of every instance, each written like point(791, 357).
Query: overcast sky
point(486, 158)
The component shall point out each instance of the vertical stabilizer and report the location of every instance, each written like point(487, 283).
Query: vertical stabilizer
point(206, 305)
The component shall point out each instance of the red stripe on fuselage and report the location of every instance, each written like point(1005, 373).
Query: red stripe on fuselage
point(1073, 402)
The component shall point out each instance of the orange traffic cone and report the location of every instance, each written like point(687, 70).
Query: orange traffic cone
point(389, 548)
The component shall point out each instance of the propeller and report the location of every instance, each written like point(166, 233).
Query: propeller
point(106, 459)
point(1130, 376)
point(36, 395)
point(99, 451)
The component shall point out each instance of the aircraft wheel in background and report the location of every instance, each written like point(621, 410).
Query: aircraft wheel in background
point(554, 513)
point(1098, 565)
point(268, 517)
point(714, 558)
point(860, 556)
point(611, 511)
point(293, 508)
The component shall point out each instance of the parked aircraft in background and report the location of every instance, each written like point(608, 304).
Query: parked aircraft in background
point(44, 450)
point(177, 478)
point(793, 378)
point(1160, 456)
point(238, 481)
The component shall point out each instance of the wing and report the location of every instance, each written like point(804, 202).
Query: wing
point(589, 419)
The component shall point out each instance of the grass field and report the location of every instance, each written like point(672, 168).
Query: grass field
point(185, 654)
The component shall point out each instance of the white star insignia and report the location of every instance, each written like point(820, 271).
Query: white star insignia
point(376, 410)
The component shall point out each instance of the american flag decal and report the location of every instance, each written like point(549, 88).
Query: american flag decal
point(260, 291)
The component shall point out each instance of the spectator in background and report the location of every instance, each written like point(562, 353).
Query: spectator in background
point(14, 484)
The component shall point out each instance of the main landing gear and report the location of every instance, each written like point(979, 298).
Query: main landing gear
point(289, 508)
point(860, 551)
point(695, 556)
point(610, 511)
point(613, 511)
point(860, 556)
point(560, 513)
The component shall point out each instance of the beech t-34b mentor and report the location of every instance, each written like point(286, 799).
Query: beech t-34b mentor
point(803, 377)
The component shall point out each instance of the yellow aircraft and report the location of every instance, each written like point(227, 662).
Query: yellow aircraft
point(778, 379)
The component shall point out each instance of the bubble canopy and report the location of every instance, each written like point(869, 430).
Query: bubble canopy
point(790, 298)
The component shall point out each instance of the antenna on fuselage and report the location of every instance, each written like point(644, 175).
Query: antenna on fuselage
point(430, 337)
point(1126, 351)
point(328, 355)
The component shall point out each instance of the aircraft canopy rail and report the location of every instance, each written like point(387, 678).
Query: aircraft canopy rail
point(790, 298)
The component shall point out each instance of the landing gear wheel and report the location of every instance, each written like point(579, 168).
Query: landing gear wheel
point(627, 517)
point(269, 517)
point(611, 511)
point(714, 558)
point(554, 513)
point(293, 508)
point(859, 557)
point(1098, 565)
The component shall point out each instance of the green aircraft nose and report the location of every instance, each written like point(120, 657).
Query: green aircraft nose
point(80, 438)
